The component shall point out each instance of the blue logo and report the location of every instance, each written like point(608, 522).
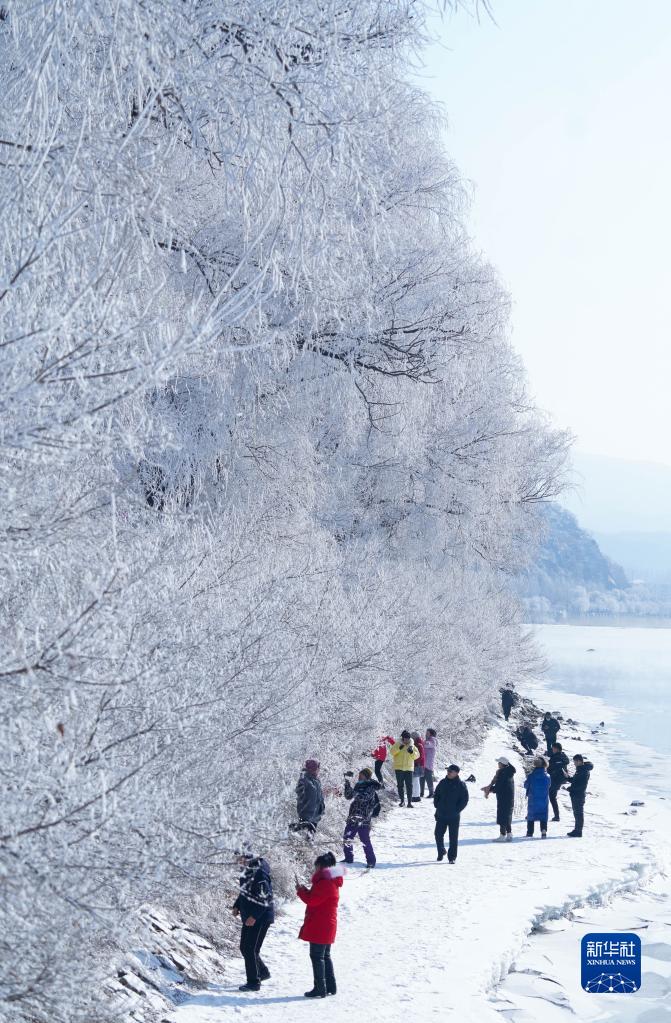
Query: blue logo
point(610, 963)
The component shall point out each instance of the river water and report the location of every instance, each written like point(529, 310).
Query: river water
point(628, 668)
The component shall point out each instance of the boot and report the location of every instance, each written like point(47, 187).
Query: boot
point(500, 838)
point(249, 987)
point(331, 988)
point(319, 979)
point(441, 855)
point(509, 837)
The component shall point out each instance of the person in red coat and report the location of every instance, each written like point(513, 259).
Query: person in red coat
point(321, 921)
point(379, 755)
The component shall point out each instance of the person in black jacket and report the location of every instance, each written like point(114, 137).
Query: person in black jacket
point(527, 738)
point(309, 798)
point(558, 775)
point(503, 786)
point(508, 699)
point(449, 799)
point(550, 727)
point(365, 806)
point(577, 790)
point(255, 907)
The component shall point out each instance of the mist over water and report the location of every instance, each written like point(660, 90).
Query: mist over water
point(629, 668)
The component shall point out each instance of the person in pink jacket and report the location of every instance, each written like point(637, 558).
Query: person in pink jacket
point(430, 747)
point(418, 771)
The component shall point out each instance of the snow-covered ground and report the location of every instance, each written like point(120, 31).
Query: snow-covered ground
point(434, 940)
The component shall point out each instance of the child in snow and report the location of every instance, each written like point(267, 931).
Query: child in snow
point(321, 921)
point(379, 755)
point(503, 786)
point(537, 786)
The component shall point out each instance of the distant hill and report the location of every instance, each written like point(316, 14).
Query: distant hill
point(571, 576)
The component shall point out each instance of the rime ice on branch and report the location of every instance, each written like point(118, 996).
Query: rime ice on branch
point(266, 452)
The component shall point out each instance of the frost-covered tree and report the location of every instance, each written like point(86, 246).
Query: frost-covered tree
point(266, 455)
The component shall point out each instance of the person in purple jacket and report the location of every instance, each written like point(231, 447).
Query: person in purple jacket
point(537, 787)
point(430, 747)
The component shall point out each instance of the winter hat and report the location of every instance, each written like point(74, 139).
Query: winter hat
point(504, 761)
point(312, 766)
point(453, 767)
point(405, 734)
point(367, 771)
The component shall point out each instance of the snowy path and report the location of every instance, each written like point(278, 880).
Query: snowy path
point(437, 938)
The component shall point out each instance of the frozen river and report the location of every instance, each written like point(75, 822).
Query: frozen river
point(628, 668)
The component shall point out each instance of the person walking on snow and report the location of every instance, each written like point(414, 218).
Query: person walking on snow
point(450, 798)
point(577, 790)
point(321, 922)
point(550, 726)
point(507, 701)
point(404, 754)
point(558, 775)
point(379, 755)
point(418, 770)
point(365, 806)
point(527, 738)
point(255, 907)
point(309, 797)
point(503, 787)
point(430, 749)
point(537, 787)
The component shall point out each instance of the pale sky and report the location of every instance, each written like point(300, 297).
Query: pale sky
point(559, 117)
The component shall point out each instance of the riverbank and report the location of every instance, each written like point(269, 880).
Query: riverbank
point(545, 971)
point(437, 939)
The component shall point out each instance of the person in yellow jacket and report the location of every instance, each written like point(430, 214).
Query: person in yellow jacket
point(404, 753)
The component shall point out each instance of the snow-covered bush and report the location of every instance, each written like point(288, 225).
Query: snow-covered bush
point(266, 452)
